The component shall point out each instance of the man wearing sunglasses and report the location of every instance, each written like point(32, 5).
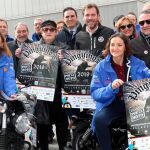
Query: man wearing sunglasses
point(141, 45)
point(52, 112)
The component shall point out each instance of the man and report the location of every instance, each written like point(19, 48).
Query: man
point(21, 36)
point(37, 35)
point(71, 28)
point(141, 44)
point(51, 112)
point(60, 25)
point(93, 35)
point(4, 30)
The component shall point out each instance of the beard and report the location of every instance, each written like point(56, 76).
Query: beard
point(92, 25)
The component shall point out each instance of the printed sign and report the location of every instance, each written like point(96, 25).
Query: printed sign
point(137, 101)
point(78, 67)
point(38, 67)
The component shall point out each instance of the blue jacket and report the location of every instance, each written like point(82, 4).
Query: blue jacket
point(104, 75)
point(7, 75)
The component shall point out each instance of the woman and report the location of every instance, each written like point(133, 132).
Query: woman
point(7, 75)
point(110, 74)
point(125, 26)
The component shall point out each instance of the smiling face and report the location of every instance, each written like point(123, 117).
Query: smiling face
point(117, 48)
point(127, 28)
point(70, 19)
point(144, 21)
point(91, 18)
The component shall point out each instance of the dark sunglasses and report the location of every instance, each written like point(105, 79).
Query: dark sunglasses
point(48, 29)
point(143, 22)
point(126, 26)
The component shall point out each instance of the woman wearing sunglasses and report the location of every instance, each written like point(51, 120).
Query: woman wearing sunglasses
point(125, 26)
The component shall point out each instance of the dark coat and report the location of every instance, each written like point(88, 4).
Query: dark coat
point(52, 112)
point(141, 49)
point(13, 46)
point(97, 41)
point(66, 37)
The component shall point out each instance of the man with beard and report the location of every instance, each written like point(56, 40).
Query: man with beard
point(94, 35)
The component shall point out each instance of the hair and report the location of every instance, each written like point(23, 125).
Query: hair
point(58, 22)
point(2, 20)
point(38, 19)
point(69, 8)
point(147, 11)
point(119, 23)
point(132, 13)
point(115, 20)
point(23, 24)
point(125, 40)
point(5, 47)
point(89, 6)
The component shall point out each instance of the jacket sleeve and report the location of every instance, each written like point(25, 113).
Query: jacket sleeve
point(9, 78)
point(99, 91)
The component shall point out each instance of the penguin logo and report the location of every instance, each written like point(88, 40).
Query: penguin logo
point(101, 39)
point(146, 52)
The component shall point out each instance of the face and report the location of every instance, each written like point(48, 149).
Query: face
point(117, 48)
point(49, 34)
point(21, 33)
point(91, 18)
point(70, 19)
point(60, 26)
point(3, 28)
point(126, 28)
point(37, 25)
point(144, 21)
point(132, 18)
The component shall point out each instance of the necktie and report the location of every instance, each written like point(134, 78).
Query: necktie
point(71, 33)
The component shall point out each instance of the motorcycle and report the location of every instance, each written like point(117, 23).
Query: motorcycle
point(85, 139)
point(17, 122)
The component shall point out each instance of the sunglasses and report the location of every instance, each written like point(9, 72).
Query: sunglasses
point(48, 29)
point(143, 22)
point(126, 26)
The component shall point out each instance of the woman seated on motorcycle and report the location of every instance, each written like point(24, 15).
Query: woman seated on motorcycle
point(119, 66)
point(7, 75)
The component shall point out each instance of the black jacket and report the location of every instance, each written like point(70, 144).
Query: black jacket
point(65, 36)
point(13, 46)
point(96, 41)
point(52, 112)
point(141, 49)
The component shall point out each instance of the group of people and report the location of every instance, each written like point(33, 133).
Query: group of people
point(122, 46)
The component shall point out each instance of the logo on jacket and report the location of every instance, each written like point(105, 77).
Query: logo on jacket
point(101, 39)
point(146, 52)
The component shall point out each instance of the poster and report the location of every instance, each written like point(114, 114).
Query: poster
point(38, 68)
point(77, 67)
point(137, 101)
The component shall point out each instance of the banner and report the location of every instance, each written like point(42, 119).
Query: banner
point(137, 101)
point(78, 67)
point(38, 67)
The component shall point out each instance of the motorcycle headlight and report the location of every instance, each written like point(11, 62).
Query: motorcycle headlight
point(22, 123)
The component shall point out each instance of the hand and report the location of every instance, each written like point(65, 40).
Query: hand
point(18, 52)
point(13, 96)
point(60, 55)
point(117, 83)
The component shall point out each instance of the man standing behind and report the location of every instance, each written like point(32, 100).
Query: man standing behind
point(141, 45)
point(71, 28)
point(93, 35)
point(37, 24)
point(4, 30)
point(21, 36)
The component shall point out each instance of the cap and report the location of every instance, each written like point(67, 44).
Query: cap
point(48, 23)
